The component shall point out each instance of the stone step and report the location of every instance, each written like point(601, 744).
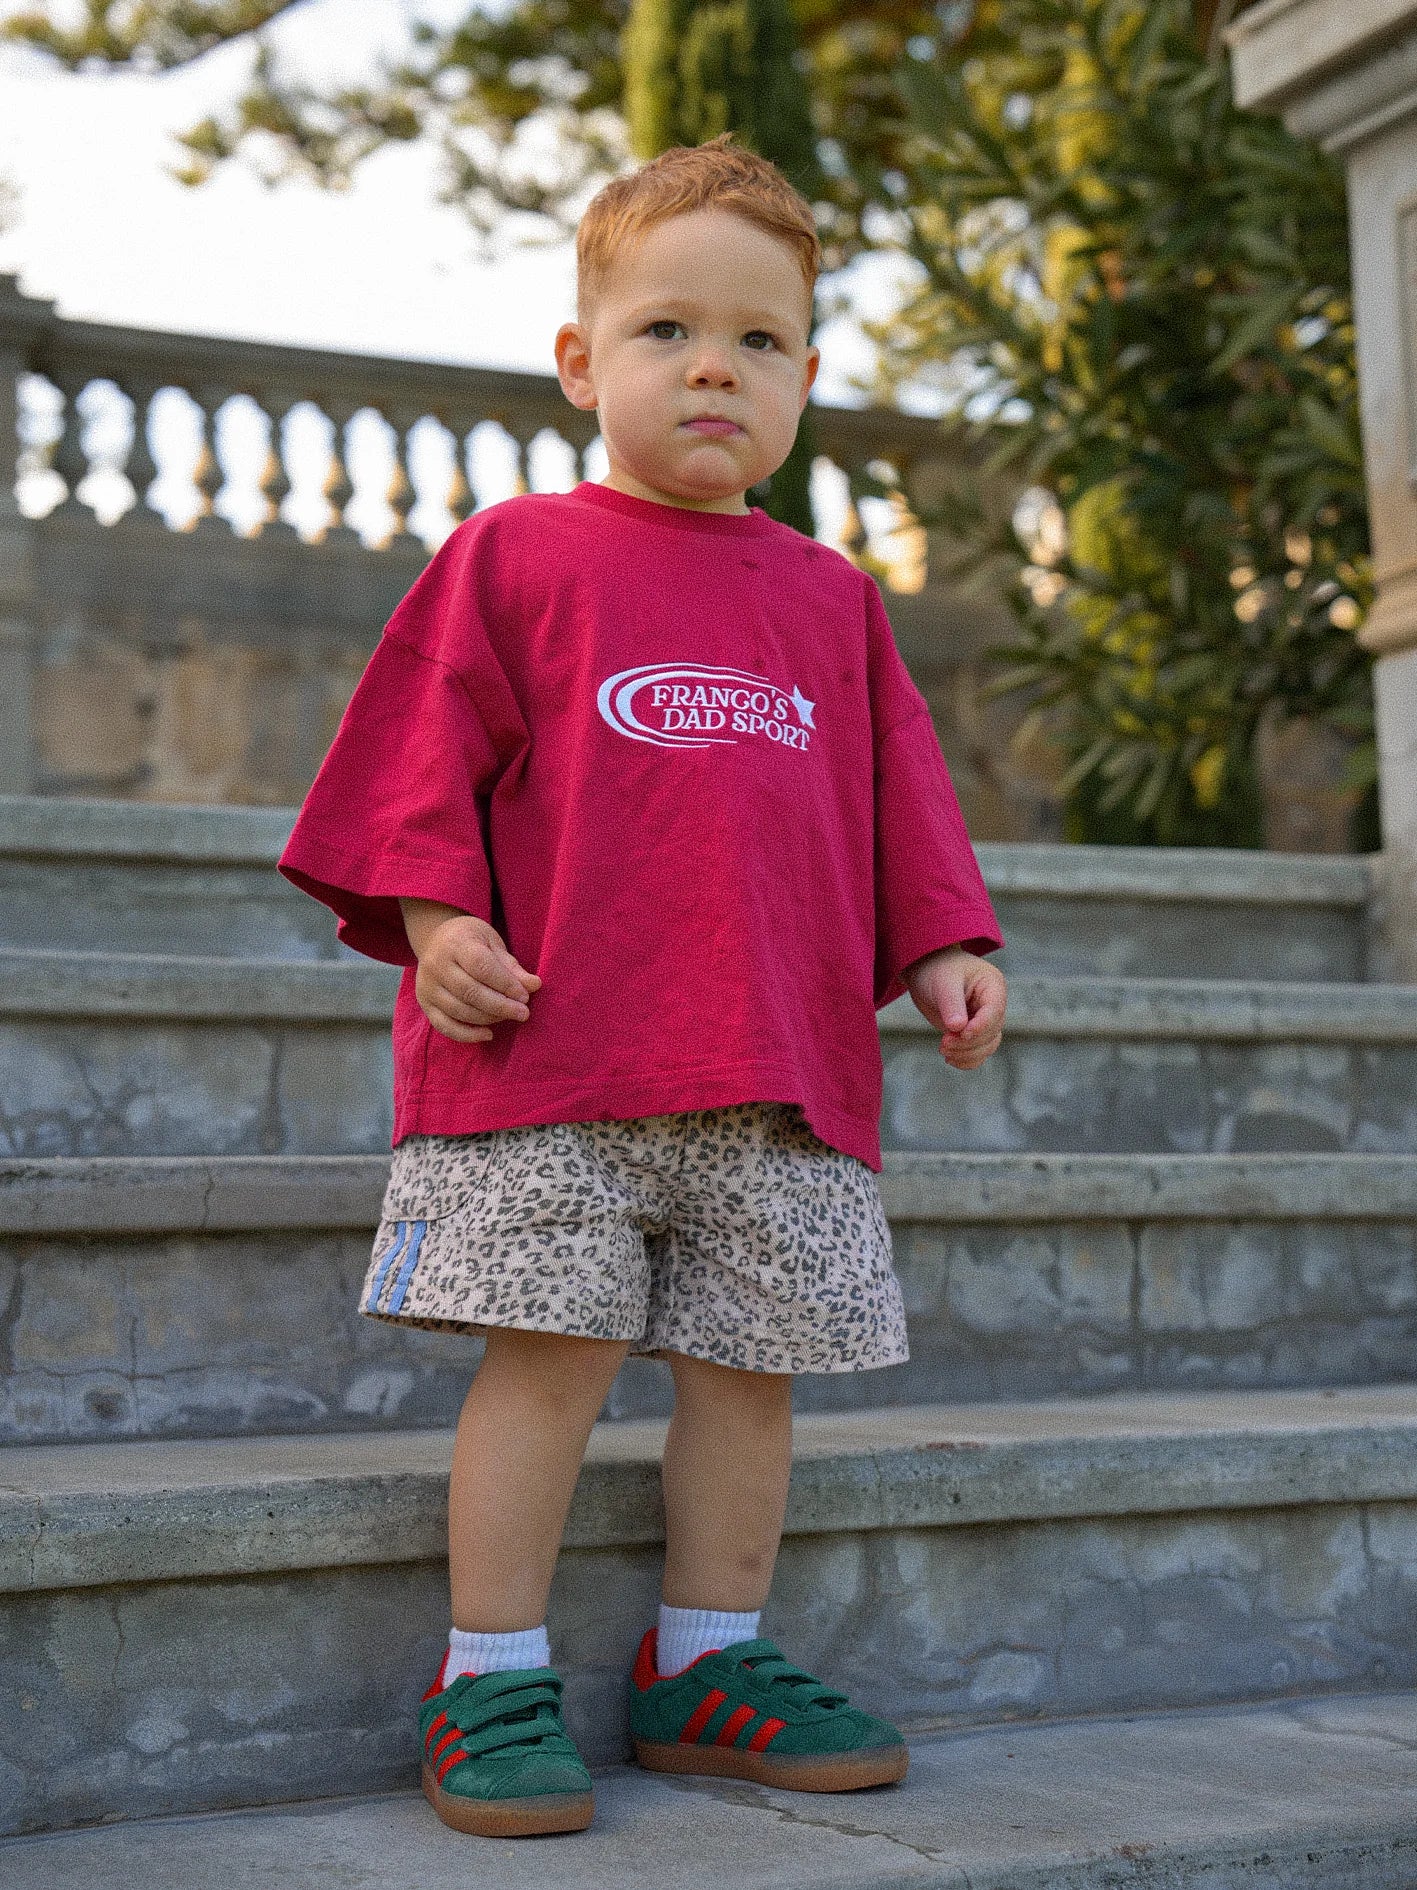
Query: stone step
point(1181, 912)
point(146, 877)
point(212, 1296)
point(193, 1625)
point(132, 876)
point(1304, 1794)
point(112, 1054)
point(1099, 1064)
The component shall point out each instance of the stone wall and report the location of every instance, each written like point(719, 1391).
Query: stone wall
point(197, 666)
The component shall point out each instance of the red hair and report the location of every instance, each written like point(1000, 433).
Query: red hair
point(719, 175)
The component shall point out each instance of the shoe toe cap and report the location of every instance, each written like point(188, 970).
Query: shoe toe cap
point(540, 1775)
point(843, 1732)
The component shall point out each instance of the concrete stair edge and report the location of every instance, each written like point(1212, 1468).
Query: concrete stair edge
point(91, 1515)
point(139, 1194)
point(135, 986)
point(1307, 1793)
point(199, 834)
point(186, 833)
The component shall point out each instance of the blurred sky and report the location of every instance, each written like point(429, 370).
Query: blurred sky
point(382, 267)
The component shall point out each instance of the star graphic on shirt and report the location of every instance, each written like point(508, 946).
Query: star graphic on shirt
point(803, 707)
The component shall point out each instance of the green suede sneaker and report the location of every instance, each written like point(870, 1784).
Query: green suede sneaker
point(745, 1712)
point(497, 1760)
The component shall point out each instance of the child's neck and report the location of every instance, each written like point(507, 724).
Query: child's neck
point(620, 481)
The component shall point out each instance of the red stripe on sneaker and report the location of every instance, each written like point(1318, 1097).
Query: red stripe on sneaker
point(441, 1681)
point(701, 1716)
point(734, 1724)
point(438, 1724)
point(765, 1734)
point(453, 1758)
point(448, 1737)
point(646, 1671)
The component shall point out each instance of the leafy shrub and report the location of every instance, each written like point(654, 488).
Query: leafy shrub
point(1139, 296)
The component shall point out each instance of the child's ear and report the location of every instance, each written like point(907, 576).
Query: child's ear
point(814, 361)
point(573, 365)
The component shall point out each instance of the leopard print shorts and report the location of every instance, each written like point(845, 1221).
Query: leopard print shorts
point(732, 1235)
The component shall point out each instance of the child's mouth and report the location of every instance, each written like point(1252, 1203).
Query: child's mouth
point(713, 429)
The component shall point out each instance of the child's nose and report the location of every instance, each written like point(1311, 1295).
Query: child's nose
point(713, 368)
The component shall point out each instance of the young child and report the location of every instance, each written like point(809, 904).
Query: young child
point(638, 791)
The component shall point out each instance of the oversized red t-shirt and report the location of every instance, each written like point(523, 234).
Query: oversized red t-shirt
point(675, 758)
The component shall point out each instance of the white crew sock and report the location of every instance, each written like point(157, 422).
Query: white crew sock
point(685, 1633)
point(495, 1653)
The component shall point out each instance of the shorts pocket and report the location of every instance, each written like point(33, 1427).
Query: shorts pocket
point(431, 1178)
point(432, 1175)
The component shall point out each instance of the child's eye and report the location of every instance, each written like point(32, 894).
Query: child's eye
point(760, 339)
point(665, 330)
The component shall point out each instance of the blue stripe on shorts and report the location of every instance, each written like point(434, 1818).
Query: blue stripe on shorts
point(400, 1237)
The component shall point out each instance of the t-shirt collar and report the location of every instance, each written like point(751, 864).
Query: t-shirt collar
point(751, 524)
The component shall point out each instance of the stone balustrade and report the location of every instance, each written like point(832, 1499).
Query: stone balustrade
point(875, 449)
point(203, 537)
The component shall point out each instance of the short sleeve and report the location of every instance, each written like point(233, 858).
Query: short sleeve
point(399, 807)
point(929, 890)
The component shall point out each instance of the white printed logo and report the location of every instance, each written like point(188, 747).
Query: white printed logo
point(691, 705)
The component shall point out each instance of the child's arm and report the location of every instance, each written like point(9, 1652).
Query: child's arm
point(964, 997)
point(467, 979)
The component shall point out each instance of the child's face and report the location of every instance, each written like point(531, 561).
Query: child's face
point(695, 354)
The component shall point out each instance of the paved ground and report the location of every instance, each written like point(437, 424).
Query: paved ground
point(1305, 1795)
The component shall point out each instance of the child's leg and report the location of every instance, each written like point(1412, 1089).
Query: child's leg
point(497, 1760)
point(520, 1440)
point(708, 1695)
point(726, 1466)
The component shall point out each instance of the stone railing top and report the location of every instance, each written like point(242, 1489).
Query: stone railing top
point(56, 346)
point(1281, 47)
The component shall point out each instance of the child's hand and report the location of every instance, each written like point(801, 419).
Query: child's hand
point(467, 979)
point(963, 996)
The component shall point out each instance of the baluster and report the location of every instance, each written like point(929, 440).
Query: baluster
point(401, 496)
point(207, 474)
point(521, 434)
point(339, 487)
point(70, 459)
point(140, 467)
point(908, 548)
point(928, 482)
point(852, 538)
point(580, 435)
point(461, 500)
point(274, 482)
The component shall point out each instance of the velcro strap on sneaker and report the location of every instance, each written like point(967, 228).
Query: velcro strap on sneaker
point(499, 1710)
point(799, 1692)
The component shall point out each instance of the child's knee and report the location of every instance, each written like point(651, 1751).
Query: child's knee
point(552, 1368)
point(697, 1378)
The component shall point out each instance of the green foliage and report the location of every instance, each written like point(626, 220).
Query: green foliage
point(678, 71)
point(692, 72)
point(474, 89)
point(157, 34)
point(1139, 296)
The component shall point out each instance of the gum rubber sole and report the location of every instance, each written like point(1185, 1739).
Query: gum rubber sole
point(834, 1772)
point(510, 1817)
